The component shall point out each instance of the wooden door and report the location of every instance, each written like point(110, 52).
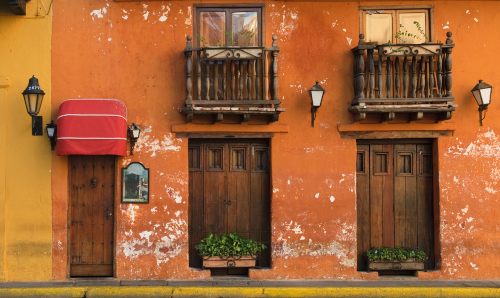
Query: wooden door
point(394, 184)
point(229, 192)
point(92, 192)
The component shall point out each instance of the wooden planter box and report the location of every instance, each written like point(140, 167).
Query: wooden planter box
point(230, 262)
point(395, 265)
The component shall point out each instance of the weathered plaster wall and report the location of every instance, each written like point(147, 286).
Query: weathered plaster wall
point(133, 51)
point(25, 160)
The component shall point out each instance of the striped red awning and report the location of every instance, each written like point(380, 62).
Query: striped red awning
point(92, 127)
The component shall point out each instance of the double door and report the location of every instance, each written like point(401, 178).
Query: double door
point(229, 192)
point(394, 184)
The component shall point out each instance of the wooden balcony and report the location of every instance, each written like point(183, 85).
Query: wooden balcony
point(409, 79)
point(232, 82)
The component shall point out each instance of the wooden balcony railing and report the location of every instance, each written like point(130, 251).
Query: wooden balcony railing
point(232, 81)
point(403, 78)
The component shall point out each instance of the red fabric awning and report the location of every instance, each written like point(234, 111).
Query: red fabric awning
point(92, 127)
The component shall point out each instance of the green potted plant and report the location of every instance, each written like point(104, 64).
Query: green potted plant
point(228, 250)
point(398, 258)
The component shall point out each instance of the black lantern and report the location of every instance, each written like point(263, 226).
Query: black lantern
point(51, 130)
point(316, 92)
point(33, 97)
point(482, 95)
point(134, 131)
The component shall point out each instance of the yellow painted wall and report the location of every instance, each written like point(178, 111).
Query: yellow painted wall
point(25, 192)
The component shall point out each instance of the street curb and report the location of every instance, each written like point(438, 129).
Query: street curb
point(169, 291)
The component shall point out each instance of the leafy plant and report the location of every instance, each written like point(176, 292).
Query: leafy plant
point(396, 254)
point(228, 245)
point(404, 36)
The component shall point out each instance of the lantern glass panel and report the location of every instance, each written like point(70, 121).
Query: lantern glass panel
point(135, 133)
point(486, 95)
point(50, 131)
point(477, 97)
point(316, 96)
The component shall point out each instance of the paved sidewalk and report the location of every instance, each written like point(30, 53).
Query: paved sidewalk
point(86, 288)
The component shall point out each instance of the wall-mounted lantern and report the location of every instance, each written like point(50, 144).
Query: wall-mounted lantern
point(33, 97)
point(316, 92)
point(134, 131)
point(51, 130)
point(482, 95)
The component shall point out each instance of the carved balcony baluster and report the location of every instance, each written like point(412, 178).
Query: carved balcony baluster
point(232, 81)
point(413, 79)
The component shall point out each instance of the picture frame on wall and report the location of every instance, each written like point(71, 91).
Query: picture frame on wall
point(135, 183)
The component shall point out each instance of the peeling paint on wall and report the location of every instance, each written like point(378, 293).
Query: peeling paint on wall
point(152, 145)
point(99, 13)
point(287, 20)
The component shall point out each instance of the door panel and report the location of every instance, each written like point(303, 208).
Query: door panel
point(232, 192)
point(91, 215)
point(381, 195)
point(394, 184)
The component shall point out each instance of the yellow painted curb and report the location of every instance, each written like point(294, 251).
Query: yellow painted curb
point(169, 291)
point(124, 291)
point(68, 292)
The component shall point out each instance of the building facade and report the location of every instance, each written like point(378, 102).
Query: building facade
point(395, 155)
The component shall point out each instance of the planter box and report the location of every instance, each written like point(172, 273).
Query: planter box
point(230, 262)
point(395, 265)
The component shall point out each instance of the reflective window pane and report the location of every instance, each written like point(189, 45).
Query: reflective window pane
point(212, 27)
point(245, 29)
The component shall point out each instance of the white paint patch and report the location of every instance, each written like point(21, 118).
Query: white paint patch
point(316, 195)
point(125, 14)
point(189, 19)
point(110, 39)
point(288, 182)
point(178, 213)
point(476, 20)
point(465, 210)
point(334, 24)
point(152, 145)
point(164, 14)
point(275, 190)
point(487, 145)
point(349, 40)
point(294, 227)
point(302, 238)
point(490, 190)
point(333, 248)
point(332, 199)
point(474, 266)
point(298, 88)
point(446, 26)
point(288, 21)
point(146, 235)
point(344, 29)
point(131, 212)
point(98, 13)
point(145, 12)
point(154, 210)
point(467, 11)
point(173, 194)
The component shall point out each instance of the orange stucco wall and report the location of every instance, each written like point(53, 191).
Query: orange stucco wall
point(133, 51)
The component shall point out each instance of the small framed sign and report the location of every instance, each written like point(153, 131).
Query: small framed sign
point(135, 183)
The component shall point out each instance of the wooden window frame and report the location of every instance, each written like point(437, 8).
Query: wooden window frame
point(228, 9)
point(395, 10)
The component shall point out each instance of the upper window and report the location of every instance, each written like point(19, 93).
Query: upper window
point(396, 25)
point(222, 27)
